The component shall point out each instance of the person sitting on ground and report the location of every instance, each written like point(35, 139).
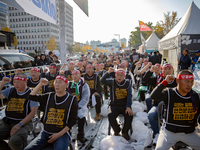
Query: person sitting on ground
point(60, 109)
point(19, 111)
point(68, 72)
point(51, 75)
point(81, 68)
point(121, 100)
point(92, 79)
point(167, 69)
point(182, 115)
point(81, 90)
point(55, 59)
point(50, 58)
point(42, 61)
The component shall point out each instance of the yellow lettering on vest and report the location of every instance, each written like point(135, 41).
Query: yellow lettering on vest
point(69, 77)
point(16, 104)
point(77, 96)
point(55, 116)
point(182, 112)
point(120, 93)
point(90, 83)
point(40, 90)
point(51, 83)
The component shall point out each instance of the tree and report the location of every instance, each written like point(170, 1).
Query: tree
point(15, 38)
point(69, 49)
point(159, 31)
point(77, 47)
point(123, 45)
point(85, 48)
point(170, 20)
point(51, 45)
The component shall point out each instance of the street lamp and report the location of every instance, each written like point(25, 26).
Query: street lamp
point(119, 39)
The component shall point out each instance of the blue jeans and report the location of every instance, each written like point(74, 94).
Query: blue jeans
point(153, 119)
point(149, 103)
point(40, 142)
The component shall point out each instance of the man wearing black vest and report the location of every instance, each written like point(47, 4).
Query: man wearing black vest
point(68, 72)
point(92, 79)
point(121, 100)
point(51, 75)
point(34, 80)
point(106, 68)
point(19, 111)
point(60, 112)
point(81, 90)
point(182, 111)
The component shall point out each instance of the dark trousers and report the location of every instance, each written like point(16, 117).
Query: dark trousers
point(115, 111)
point(106, 90)
point(81, 123)
point(98, 105)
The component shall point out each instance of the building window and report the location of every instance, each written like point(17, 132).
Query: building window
point(19, 25)
point(38, 42)
point(22, 13)
point(28, 25)
point(38, 24)
point(22, 25)
point(35, 42)
point(38, 36)
point(32, 30)
point(16, 25)
point(48, 30)
point(17, 37)
point(20, 31)
point(10, 8)
point(29, 36)
point(15, 14)
point(17, 31)
point(28, 19)
point(24, 19)
point(35, 30)
point(10, 26)
point(29, 42)
point(32, 42)
point(34, 24)
point(20, 37)
point(41, 30)
point(23, 37)
point(38, 30)
point(10, 20)
point(31, 18)
point(18, 13)
point(13, 20)
point(25, 25)
point(32, 36)
point(47, 23)
point(44, 24)
point(19, 19)
point(31, 24)
point(45, 30)
point(29, 30)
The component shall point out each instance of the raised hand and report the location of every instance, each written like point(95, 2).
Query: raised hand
point(44, 81)
point(169, 78)
point(6, 80)
point(111, 70)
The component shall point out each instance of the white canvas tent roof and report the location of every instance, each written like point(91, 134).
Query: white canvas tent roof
point(189, 23)
point(152, 42)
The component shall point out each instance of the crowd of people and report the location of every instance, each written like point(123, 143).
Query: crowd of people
point(64, 96)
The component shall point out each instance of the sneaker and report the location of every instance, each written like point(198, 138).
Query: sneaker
point(98, 117)
point(155, 139)
point(126, 136)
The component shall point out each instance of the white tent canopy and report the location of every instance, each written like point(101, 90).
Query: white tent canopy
point(152, 42)
point(189, 24)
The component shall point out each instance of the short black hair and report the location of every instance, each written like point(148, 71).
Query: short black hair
point(133, 50)
point(53, 64)
point(185, 71)
point(50, 53)
point(186, 50)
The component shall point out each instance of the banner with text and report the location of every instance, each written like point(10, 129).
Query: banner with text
point(44, 9)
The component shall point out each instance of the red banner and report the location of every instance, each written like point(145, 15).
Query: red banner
point(144, 27)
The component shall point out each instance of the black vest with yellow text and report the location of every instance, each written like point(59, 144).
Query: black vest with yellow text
point(107, 67)
point(91, 81)
point(68, 73)
point(56, 114)
point(119, 92)
point(180, 113)
point(72, 90)
point(18, 104)
point(51, 80)
point(32, 84)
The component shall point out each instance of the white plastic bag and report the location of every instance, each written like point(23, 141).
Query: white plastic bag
point(141, 133)
point(143, 106)
point(104, 110)
point(2, 114)
point(113, 143)
point(142, 116)
point(136, 108)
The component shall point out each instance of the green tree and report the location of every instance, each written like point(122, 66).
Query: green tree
point(69, 49)
point(170, 20)
point(77, 47)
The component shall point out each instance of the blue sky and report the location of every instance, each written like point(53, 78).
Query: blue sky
point(109, 17)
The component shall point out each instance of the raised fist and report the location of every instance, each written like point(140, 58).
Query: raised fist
point(169, 78)
point(45, 70)
point(18, 71)
point(44, 81)
point(111, 70)
point(153, 68)
point(61, 72)
point(6, 80)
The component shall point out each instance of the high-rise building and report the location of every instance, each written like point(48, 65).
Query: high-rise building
point(3, 15)
point(32, 32)
point(94, 44)
point(124, 41)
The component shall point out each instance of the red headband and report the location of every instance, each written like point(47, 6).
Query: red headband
point(101, 64)
point(90, 66)
point(120, 71)
point(167, 66)
point(76, 71)
point(20, 78)
point(80, 63)
point(71, 63)
point(35, 69)
point(53, 67)
point(97, 64)
point(186, 76)
point(62, 78)
point(158, 65)
point(122, 65)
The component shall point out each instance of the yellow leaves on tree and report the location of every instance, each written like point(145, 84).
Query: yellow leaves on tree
point(77, 47)
point(123, 45)
point(86, 47)
point(15, 38)
point(51, 45)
